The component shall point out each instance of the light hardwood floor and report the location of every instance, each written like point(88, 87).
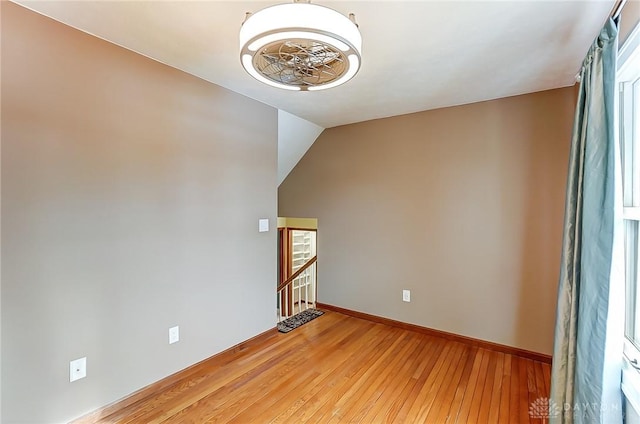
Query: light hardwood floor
point(340, 369)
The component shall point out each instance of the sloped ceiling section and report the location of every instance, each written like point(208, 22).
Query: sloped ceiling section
point(295, 136)
point(416, 55)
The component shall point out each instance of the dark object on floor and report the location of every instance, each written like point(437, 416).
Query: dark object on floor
point(298, 319)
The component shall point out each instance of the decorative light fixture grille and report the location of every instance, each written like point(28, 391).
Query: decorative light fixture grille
point(300, 46)
point(300, 62)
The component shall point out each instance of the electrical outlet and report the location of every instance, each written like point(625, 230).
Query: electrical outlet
point(77, 369)
point(406, 295)
point(174, 334)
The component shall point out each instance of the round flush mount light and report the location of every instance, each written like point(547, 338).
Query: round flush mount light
point(300, 46)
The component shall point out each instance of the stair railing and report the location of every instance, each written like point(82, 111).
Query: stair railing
point(297, 290)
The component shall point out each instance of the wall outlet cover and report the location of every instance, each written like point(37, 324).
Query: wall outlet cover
point(174, 334)
point(77, 369)
point(406, 295)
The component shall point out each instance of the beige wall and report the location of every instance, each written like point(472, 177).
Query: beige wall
point(463, 206)
point(131, 194)
point(629, 19)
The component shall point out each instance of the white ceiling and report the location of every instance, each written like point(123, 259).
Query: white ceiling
point(295, 136)
point(416, 55)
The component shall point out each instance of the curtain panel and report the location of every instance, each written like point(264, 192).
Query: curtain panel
point(585, 377)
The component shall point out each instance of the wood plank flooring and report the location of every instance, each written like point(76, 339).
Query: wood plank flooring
point(340, 369)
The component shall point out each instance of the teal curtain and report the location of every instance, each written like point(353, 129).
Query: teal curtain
point(585, 377)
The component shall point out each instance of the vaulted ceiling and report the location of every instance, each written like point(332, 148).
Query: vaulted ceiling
point(416, 55)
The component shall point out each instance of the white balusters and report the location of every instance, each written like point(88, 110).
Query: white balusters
point(303, 294)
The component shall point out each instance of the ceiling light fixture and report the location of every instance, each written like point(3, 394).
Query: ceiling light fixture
point(300, 46)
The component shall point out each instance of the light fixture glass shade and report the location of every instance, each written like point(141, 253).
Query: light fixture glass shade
point(300, 46)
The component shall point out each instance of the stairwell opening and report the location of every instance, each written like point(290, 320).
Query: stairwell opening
point(297, 266)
